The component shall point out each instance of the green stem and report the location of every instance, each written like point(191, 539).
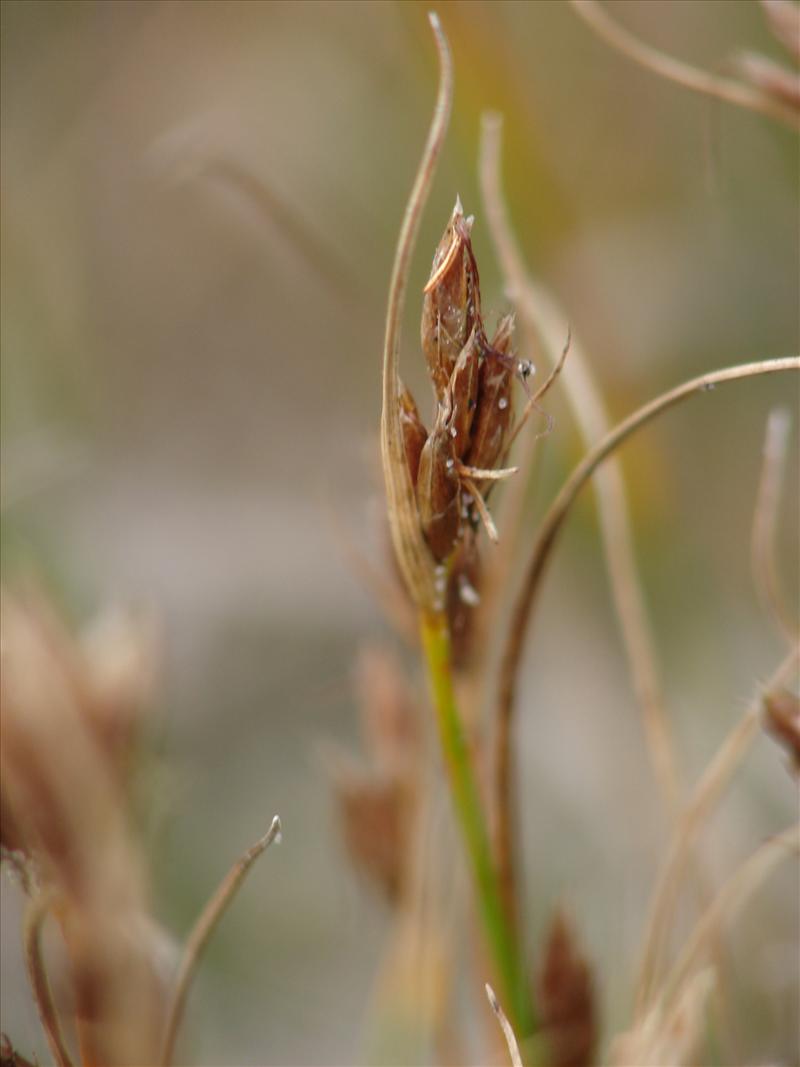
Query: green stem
point(469, 812)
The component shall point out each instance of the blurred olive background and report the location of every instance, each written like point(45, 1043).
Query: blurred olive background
point(200, 202)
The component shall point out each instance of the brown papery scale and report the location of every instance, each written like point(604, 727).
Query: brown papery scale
point(463, 394)
point(414, 433)
point(493, 414)
point(451, 304)
point(438, 489)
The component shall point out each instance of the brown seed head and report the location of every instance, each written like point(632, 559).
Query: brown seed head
point(566, 997)
point(377, 805)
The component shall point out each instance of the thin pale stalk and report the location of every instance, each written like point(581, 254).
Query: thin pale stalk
point(705, 796)
point(559, 510)
point(765, 517)
point(675, 70)
point(202, 931)
point(293, 225)
point(35, 916)
point(545, 328)
point(505, 949)
point(413, 556)
point(730, 899)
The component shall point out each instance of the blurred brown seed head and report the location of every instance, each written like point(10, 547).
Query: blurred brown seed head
point(377, 804)
point(389, 712)
point(782, 721)
point(63, 805)
point(566, 997)
point(374, 815)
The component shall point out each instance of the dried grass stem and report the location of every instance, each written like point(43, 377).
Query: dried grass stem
point(35, 916)
point(675, 70)
point(765, 518)
point(705, 795)
point(414, 558)
point(202, 931)
point(544, 324)
point(559, 510)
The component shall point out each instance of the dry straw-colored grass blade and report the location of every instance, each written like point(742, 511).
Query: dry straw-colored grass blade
point(202, 931)
point(413, 555)
point(505, 1026)
point(765, 521)
point(753, 97)
point(705, 796)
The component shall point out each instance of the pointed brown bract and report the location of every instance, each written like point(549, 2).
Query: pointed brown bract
point(463, 395)
point(566, 998)
point(414, 432)
point(451, 304)
point(438, 489)
point(495, 406)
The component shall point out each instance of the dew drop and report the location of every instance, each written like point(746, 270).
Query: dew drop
point(453, 431)
point(450, 464)
point(708, 387)
point(467, 592)
point(502, 403)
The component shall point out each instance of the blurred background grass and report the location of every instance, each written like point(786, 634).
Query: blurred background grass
point(200, 202)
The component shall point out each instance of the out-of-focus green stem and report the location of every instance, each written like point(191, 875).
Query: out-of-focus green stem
point(469, 813)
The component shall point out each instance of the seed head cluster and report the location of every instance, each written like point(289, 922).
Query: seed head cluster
point(452, 465)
